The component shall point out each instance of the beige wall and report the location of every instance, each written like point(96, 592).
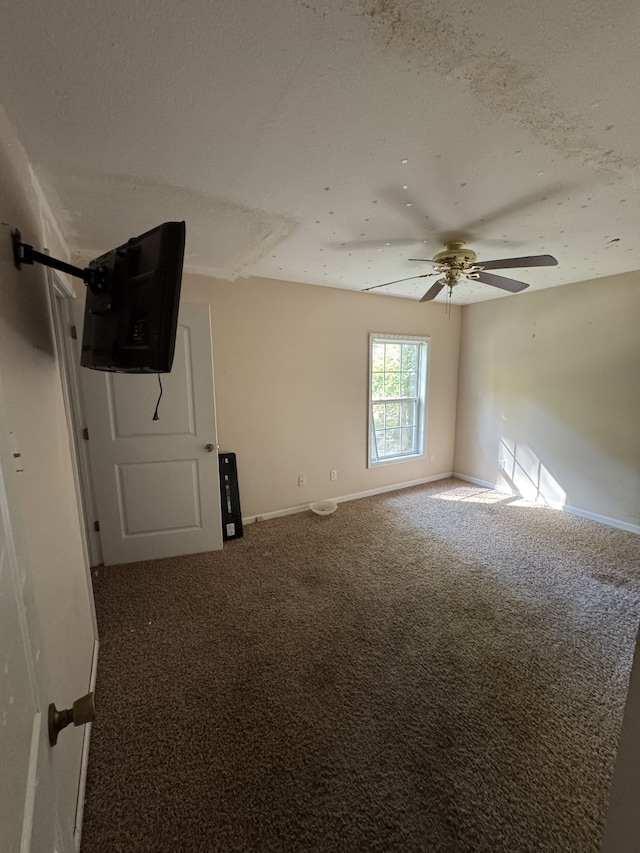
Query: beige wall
point(550, 383)
point(47, 511)
point(290, 364)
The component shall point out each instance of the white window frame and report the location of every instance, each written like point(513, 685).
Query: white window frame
point(423, 387)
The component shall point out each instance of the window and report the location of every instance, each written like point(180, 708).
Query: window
point(397, 397)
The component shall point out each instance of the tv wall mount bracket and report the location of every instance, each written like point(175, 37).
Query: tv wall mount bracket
point(23, 253)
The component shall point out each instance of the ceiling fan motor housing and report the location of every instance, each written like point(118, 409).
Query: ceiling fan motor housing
point(456, 254)
point(458, 260)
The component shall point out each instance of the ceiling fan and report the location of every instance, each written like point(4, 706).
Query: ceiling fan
point(456, 261)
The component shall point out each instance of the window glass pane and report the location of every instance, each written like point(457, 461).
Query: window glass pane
point(392, 442)
point(409, 357)
point(392, 357)
point(392, 385)
point(377, 386)
point(408, 385)
point(377, 357)
point(396, 374)
point(407, 442)
point(393, 415)
point(408, 414)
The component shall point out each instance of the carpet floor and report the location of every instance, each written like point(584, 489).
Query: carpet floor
point(441, 668)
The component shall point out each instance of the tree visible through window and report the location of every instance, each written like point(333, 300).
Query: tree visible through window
point(398, 372)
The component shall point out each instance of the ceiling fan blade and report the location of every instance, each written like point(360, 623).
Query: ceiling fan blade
point(500, 281)
point(511, 263)
point(516, 206)
point(398, 280)
point(408, 205)
point(434, 290)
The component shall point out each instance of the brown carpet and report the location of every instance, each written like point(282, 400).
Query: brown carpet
point(441, 668)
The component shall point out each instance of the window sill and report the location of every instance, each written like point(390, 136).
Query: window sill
point(396, 459)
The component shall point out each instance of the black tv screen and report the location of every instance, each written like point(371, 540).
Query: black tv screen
point(130, 322)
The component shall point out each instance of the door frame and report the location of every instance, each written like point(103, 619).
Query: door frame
point(59, 292)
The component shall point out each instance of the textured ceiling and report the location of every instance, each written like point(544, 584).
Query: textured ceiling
point(328, 141)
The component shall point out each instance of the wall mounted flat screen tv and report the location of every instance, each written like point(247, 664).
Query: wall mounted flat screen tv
point(130, 323)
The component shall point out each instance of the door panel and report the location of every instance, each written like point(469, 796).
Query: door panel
point(147, 505)
point(178, 418)
point(156, 484)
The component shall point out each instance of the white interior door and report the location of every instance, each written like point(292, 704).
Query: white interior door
point(31, 817)
point(20, 717)
point(156, 483)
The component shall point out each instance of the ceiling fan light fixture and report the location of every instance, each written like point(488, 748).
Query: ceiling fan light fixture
point(457, 260)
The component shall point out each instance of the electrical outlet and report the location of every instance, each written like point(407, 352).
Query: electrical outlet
point(333, 474)
point(302, 480)
point(501, 464)
point(432, 457)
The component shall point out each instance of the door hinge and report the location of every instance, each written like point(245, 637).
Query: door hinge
point(96, 526)
point(85, 433)
point(74, 333)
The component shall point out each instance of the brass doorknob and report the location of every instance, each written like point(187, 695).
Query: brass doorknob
point(209, 448)
point(83, 711)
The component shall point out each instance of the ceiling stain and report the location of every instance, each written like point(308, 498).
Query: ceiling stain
point(223, 237)
point(499, 82)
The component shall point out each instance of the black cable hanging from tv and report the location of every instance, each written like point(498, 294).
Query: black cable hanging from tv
point(156, 416)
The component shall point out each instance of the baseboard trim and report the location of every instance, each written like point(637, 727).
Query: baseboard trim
point(265, 516)
point(572, 510)
point(82, 786)
point(485, 483)
point(603, 519)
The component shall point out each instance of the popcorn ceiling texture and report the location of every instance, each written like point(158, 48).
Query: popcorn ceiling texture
point(277, 130)
point(441, 668)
